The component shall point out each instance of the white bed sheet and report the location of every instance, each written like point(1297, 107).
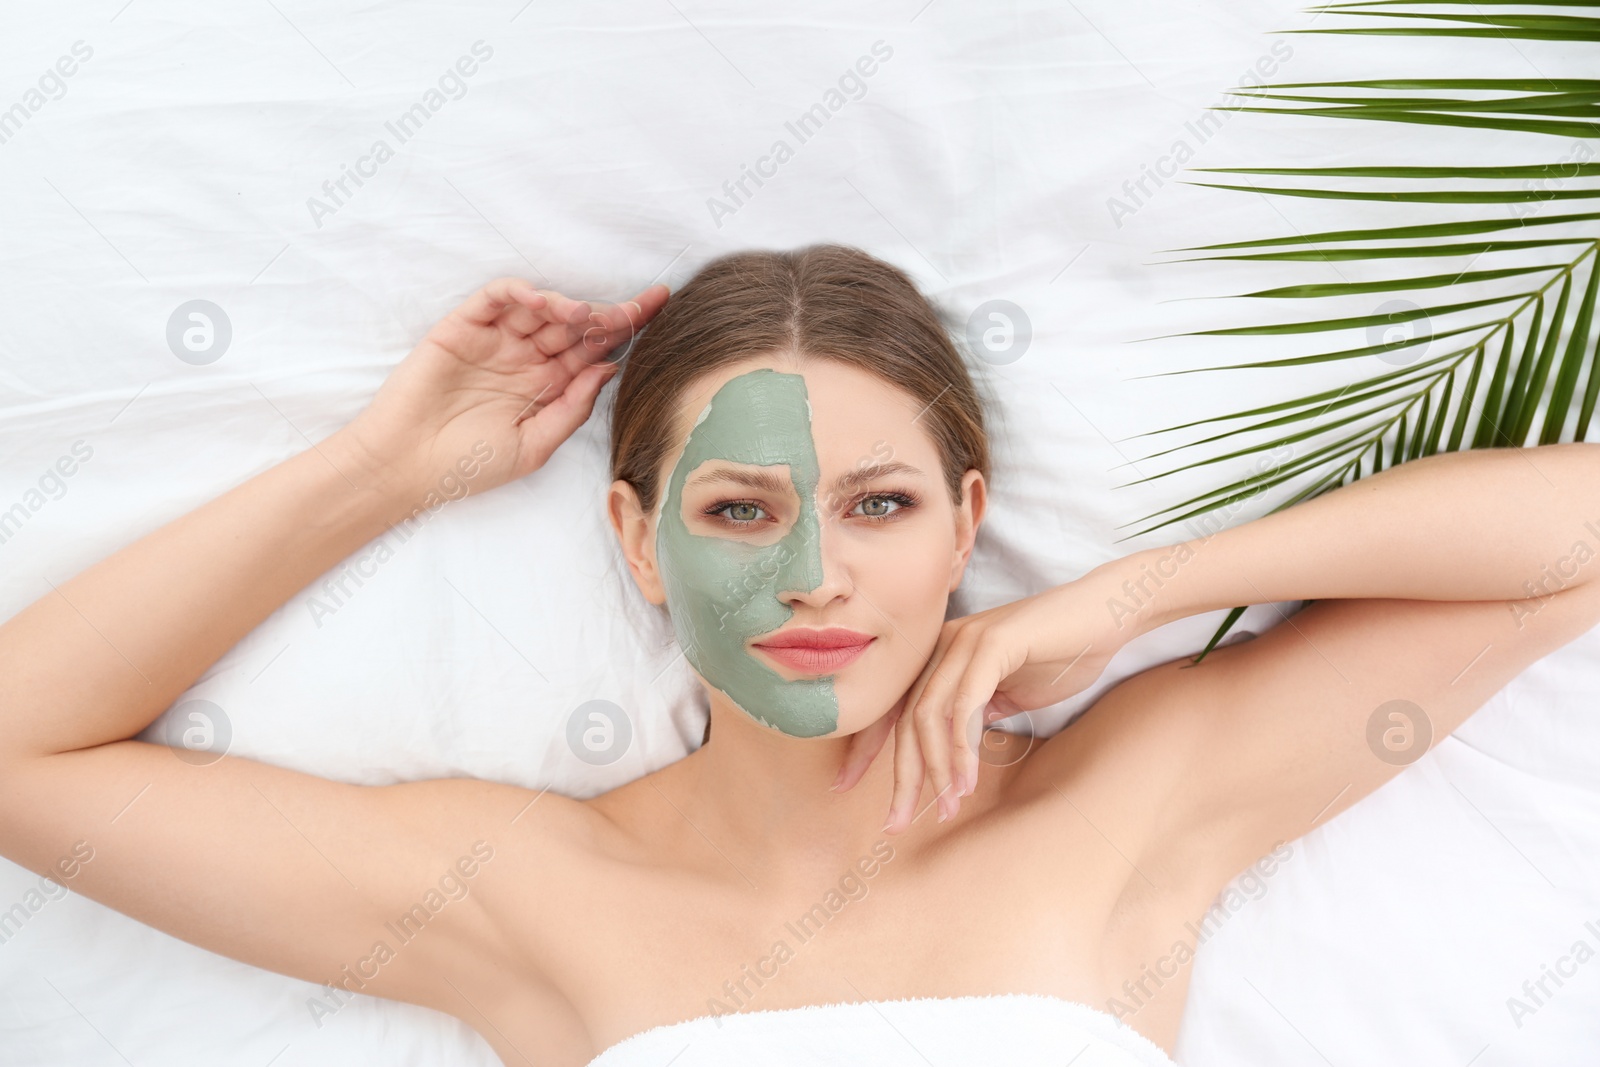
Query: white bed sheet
point(177, 164)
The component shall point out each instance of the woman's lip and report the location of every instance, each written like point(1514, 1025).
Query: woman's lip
point(816, 660)
point(806, 637)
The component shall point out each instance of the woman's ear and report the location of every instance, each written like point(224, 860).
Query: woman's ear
point(969, 516)
point(633, 531)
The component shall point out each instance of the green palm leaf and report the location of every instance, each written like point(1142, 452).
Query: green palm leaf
point(1463, 369)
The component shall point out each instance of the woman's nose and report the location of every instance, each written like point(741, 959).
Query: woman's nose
point(817, 572)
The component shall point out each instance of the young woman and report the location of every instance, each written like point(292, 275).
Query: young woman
point(800, 468)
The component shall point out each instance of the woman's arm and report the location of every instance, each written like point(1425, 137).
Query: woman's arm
point(102, 654)
point(255, 862)
point(1515, 525)
point(1437, 581)
point(285, 870)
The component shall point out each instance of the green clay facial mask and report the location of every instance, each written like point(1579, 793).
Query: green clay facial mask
point(721, 592)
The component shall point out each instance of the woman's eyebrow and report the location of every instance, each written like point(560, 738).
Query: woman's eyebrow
point(769, 480)
point(850, 481)
point(764, 478)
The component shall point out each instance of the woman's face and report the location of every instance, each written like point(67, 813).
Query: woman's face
point(804, 541)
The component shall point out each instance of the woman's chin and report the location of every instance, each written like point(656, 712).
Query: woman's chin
point(855, 716)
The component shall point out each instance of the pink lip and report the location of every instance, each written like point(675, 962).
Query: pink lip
point(815, 651)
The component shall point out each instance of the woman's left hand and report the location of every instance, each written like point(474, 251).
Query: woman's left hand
point(1018, 657)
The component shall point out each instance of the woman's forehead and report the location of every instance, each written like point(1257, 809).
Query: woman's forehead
point(842, 405)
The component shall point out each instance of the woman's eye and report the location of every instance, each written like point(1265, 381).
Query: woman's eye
point(884, 504)
point(740, 511)
point(750, 513)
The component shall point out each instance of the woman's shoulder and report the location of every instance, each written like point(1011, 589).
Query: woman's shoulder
point(533, 833)
point(634, 814)
point(555, 834)
point(1134, 730)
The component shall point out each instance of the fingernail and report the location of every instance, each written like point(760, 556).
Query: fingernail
point(993, 715)
point(837, 779)
point(943, 815)
point(887, 823)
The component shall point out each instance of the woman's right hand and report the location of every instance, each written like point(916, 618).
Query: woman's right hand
point(513, 367)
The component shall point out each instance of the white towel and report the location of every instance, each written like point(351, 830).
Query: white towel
point(1013, 1029)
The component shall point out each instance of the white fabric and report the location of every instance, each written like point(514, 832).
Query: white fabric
point(1015, 1029)
point(178, 163)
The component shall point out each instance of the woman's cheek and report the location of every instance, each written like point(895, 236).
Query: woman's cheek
point(921, 558)
point(909, 582)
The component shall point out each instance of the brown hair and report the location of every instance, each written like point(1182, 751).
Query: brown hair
point(826, 302)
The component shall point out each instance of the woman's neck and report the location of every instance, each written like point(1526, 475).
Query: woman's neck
point(767, 795)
